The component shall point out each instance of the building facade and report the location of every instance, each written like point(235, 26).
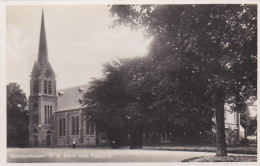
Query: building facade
point(233, 130)
point(73, 125)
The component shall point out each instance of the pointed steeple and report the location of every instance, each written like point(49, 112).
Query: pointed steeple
point(43, 51)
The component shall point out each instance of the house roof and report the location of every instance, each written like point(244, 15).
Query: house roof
point(71, 98)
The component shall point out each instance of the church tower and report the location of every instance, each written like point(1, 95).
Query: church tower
point(42, 99)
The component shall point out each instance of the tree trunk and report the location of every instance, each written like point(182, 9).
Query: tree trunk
point(220, 123)
point(237, 118)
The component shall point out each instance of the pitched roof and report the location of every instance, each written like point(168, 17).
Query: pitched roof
point(71, 98)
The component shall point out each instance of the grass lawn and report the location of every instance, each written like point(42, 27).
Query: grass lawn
point(238, 150)
point(223, 159)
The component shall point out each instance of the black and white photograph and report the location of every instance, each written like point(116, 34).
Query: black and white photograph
point(131, 83)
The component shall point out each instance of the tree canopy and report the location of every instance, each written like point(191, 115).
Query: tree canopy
point(213, 45)
point(17, 118)
point(200, 57)
point(215, 42)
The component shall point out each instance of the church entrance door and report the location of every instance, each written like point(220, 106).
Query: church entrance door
point(48, 139)
point(35, 138)
point(35, 141)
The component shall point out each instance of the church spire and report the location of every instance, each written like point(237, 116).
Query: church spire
point(43, 51)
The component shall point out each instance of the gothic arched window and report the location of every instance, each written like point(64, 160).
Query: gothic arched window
point(64, 126)
point(77, 125)
point(60, 126)
point(50, 114)
point(35, 87)
point(87, 127)
point(45, 115)
point(35, 131)
point(73, 125)
point(35, 107)
point(92, 128)
point(45, 87)
point(49, 87)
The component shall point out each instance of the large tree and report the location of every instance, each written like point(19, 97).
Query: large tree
point(209, 45)
point(17, 116)
point(136, 97)
point(112, 102)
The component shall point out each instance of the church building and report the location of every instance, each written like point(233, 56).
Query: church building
point(56, 118)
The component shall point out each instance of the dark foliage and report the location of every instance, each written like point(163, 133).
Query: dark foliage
point(17, 116)
point(209, 49)
point(200, 57)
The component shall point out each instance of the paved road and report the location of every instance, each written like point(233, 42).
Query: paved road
point(61, 155)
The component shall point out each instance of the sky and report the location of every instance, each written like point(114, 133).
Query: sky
point(79, 38)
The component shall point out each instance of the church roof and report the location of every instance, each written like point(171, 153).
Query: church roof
point(71, 98)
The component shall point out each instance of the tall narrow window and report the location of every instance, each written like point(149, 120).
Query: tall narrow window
point(91, 128)
point(73, 125)
point(64, 126)
point(49, 87)
point(50, 114)
point(48, 117)
point(87, 127)
point(60, 127)
point(45, 115)
point(45, 87)
point(77, 125)
point(35, 87)
point(35, 119)
point(35, 107)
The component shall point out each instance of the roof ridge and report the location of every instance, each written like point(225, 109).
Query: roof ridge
point(72, 87)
